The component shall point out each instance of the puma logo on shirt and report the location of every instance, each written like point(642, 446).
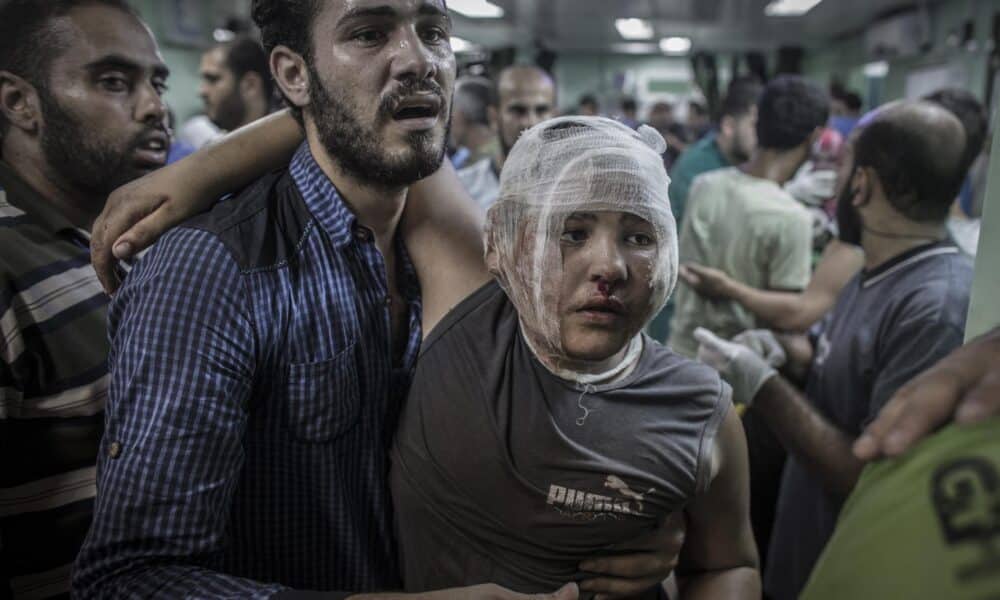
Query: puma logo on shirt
point(590, 505)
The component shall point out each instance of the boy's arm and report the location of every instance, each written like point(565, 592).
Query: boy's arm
point(719, 559)
point(443, 230)
point(139, 212)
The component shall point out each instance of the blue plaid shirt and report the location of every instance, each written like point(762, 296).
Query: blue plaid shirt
point(253, 401)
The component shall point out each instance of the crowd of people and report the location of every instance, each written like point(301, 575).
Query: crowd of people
point(403, 333)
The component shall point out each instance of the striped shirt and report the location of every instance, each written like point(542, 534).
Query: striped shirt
point(253, 401)
point(53, 385)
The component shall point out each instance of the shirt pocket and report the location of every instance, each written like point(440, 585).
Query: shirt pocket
point(322, 398)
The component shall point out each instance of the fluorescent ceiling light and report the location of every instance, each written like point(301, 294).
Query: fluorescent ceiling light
point(634, 29)
point(476, 9)
point(635, 48)
point(460, 45)
point(789, 8)
point(877, 70)
point(675, 45)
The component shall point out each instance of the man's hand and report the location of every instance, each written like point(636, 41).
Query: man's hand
point(477, 592)
point(138, 213)
point(706, 281)
point(964, 387)
point(651, 559)
point(744, 369)
point(765, 344)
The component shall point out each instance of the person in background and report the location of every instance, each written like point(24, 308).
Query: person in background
point(903, 313)
point(845, 112)
point(699, 120)
point(842, 257)
point(630, 112)
point(236, 84)
point(526, 97)
point(661, 118)
point(732, 143)
point(742, 221)
point(588, 106)
point(80, 114)
point(474, 122)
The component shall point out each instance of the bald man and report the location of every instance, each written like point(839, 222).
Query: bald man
point(905, 311)
point(527, 96)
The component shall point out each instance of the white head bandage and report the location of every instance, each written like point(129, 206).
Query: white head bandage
point(564, 166)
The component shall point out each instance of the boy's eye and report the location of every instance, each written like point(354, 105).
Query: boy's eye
point(574, 236)
point(641, 239)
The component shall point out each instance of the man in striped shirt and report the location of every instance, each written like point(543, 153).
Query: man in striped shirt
point(80, 114)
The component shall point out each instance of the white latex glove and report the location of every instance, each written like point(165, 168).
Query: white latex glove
point(810, 187)
point(765, 344)
point(741, 367)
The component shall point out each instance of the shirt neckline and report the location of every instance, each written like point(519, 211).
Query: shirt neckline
point(901, 261)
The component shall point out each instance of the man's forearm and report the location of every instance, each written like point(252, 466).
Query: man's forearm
point(803, 431)
point(737, 583)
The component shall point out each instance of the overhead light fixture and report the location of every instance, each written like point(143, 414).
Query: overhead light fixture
point(222, 35)
point(789, 8)
point(877, 70)
point(675, 45)
point(476, 9)
point(461, 45)
point(634, 48)
point(634, 29)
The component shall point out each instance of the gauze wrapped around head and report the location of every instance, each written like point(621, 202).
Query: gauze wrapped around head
point(564, 166)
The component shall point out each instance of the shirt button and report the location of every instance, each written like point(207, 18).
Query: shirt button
point(115, 449)
point(362, 234)
point(388, 301)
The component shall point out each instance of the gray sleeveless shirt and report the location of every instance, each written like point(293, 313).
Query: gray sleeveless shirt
point(504, 473)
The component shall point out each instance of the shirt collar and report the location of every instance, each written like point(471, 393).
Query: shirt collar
point(25, 198)
point(900, 262)
point(321, 197)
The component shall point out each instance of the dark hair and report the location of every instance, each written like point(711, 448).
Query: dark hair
point(245, 55)
point(287, 23)
point(698, 108)
point(588, 99)
point(25, 49)
point(742, 95)
point(964, 105)
point(921, 178)
point(789, 111)
point(473, 98)
point(629, 104)
point(852, 101)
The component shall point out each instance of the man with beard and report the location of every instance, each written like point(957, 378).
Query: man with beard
point(742, 221)
point(236, 84)
point(903, 312)
point(261, 351)
point(80, 114)
point(527, 96)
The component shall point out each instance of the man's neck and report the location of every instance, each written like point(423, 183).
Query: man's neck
point(256, 110)
point(79, 208)
point(884, 242)
point(376, 207)
point(777, 166)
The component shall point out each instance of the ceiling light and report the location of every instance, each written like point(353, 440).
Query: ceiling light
point(675, 45)
point(460, 45)
point(789, 8)
point(476, 9)
point(223, 35)
point(877, 70)
point(634, 48)
point(634, 29)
